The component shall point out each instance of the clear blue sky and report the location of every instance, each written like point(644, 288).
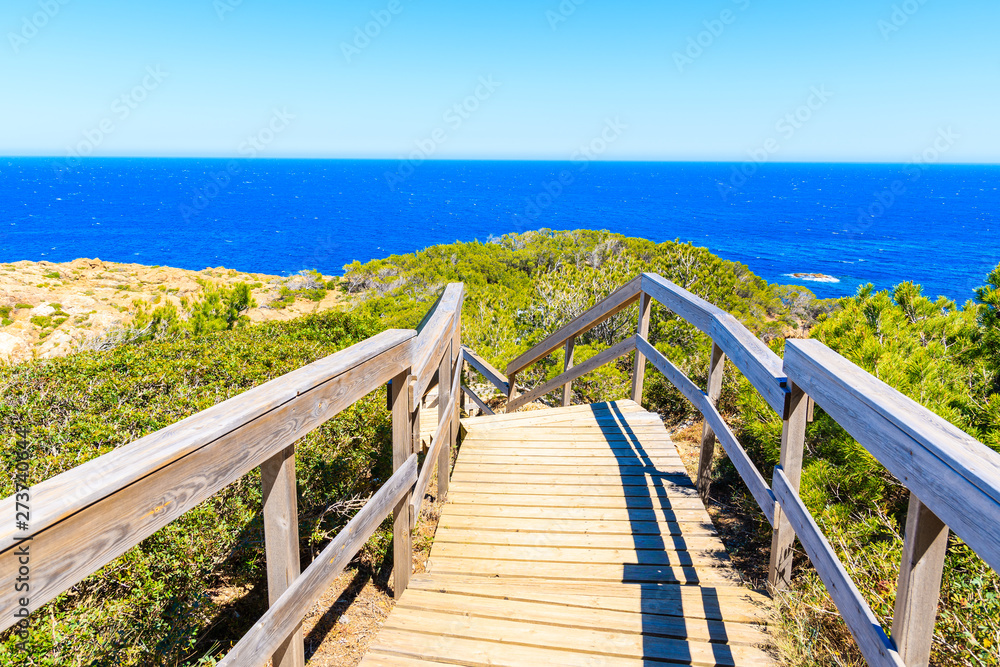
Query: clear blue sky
point(559, 81)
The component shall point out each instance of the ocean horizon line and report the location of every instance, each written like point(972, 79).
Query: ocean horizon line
point(546, 160)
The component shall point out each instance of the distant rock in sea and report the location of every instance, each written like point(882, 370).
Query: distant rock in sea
point(814, 277)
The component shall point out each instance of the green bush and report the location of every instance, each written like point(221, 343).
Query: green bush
point(520, 288)
point(940, 356)
point(316, 294)
point(164, 601)
point(286, 297)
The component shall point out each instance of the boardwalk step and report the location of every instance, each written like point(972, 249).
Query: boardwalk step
point(574, 536)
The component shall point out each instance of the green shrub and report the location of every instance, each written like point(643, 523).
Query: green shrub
point(317, 294)
point(522, 287)
point(938, 355)
point(286, 297)
point(54, 274)
point(162, 602)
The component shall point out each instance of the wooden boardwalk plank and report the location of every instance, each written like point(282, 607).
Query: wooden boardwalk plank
point(574, 536)
point(555, 613)
point(651, 490)
point(554, 481)
point(557, 553)
point(643, 507)
point(704, 602)
point(589, 640)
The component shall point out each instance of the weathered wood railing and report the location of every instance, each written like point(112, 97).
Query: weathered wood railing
point(954, 480)
point(86, 517)
point(492, 375)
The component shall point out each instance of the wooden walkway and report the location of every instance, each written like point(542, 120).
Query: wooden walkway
point(574, 536)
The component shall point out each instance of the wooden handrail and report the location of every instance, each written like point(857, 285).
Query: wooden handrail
point(257, 645)
point(757, 362)
point(86, 517)
point(90, 515)
point(432, 338)
point(438, 440)
point(952, 473)
point(740, 459)
point(877, 648)
point(495, 377)
point(59, 497)
point(616, 302)
point(954, 480)
point(598, 360)
point(478, 401)
point(754, 359)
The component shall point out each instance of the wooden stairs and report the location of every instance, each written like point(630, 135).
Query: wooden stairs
point(574, 536)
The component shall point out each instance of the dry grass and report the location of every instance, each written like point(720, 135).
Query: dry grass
point(737, 523)
point(343, 623)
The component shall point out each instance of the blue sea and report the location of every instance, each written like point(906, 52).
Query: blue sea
point(936, 225)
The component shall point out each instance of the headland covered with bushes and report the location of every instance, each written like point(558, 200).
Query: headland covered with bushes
point(170, 600)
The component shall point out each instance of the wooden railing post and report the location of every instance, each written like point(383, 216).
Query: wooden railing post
point(413, 402)
point(642, 330)
point(458, 364)
point(281, 543)
point(793, 438)
point(402, 549)
point(919, 585)
point(567, 396)
point(444, 398)
point(511, 390)
point(716, 371)
point(463, 399)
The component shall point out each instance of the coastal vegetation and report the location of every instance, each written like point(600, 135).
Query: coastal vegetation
point(946, 357)
point(192, 589)
point(187, 593)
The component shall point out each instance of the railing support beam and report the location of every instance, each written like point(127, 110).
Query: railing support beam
point(281, 543)
point(642, 331)
point(511, 390)
point(919, 585)
point(567, 396)
point(402, 432)
point(444, 398)
point(793, 438)
point(716, 371)
point(458, 364)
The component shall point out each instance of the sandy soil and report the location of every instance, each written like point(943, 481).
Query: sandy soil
point(86, 298)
